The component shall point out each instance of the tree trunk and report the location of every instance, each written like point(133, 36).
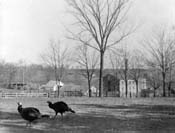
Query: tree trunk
point(169, 89)
point(154, 92)
point(58, 87)
point(126, 86)
point(170, 82)
point(89, 86)
point(101, 74)
point(164, 91)
point(137, 88)
point(58, 90)
point(126, 77)
point(90, 92)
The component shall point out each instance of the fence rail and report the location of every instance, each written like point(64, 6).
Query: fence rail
point(39, 94)
point(12, 95)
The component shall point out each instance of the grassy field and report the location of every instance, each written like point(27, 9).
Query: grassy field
point(99, 115)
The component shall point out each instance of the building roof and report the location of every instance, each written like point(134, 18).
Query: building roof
point(51, 83)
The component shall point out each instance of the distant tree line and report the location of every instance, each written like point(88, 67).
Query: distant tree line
point(13, 72)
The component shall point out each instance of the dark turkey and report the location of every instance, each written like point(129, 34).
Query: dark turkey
point(30, 114)
point(60, 107)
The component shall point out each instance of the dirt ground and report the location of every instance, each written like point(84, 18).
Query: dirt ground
point(94, 115)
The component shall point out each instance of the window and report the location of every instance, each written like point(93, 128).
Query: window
point(129, 82)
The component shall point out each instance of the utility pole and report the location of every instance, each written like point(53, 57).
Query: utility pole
point(23, 74)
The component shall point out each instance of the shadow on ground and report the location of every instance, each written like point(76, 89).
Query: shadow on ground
point(98, 118)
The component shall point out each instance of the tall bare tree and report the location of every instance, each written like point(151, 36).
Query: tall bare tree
point(137, 66)
point(56, 58)
point(88, 61)
point(160, 48)
point(100, 25)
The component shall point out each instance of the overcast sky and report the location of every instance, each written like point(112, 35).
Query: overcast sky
point(27, 25)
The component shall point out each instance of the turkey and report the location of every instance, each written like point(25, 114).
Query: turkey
point(30, 114)
point(60, 107)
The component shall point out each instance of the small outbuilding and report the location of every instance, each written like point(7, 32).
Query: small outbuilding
point(52, 85)
point(94, 91)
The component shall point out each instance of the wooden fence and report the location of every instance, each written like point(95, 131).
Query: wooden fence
point(73, 93)
point(39, 94)
point(12, 95)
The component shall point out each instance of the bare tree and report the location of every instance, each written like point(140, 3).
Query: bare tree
point(11, 70)
point(153, 80)
point(171, 72)
point(116, 61)
point(119, 60)
point(137, 66)
point(160, 48)
point(98, 21)
point(2, 70)
point(57, 59)
point(88, 61)
point(125, 71)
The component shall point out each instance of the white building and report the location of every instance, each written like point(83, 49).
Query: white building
point(94, 91)
point(132, 87)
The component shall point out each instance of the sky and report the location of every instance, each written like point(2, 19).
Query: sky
point(26, 26)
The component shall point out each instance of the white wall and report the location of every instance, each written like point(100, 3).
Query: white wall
point(131, 87)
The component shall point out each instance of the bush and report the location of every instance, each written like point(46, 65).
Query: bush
point(145, 93)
